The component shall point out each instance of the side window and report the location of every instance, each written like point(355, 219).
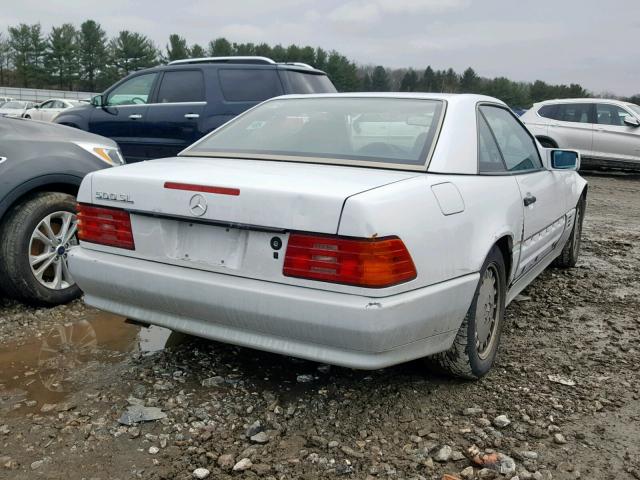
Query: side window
point(181, 86)
point(242, 85)
point(516, 144)
point(48, 104)
point(607, 114)
point(135, 91)
point(574, 112)
point(489, 157)
point(549, 111)
point(58, 104)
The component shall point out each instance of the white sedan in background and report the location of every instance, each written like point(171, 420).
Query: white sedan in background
point(15, 108)
point(361, 230)
point(48, 110)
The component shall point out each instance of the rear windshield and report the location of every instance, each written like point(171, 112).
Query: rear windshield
point(330, 130)
point(301, 82)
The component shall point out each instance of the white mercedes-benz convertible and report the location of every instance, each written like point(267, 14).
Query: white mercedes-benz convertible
point(361, 230)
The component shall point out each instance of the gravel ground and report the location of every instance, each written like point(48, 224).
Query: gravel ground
point(562, 402)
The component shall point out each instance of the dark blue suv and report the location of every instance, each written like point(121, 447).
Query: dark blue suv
point(159, 111)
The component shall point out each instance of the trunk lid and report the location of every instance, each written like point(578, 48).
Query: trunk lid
point(244, 235)
point(272, 195)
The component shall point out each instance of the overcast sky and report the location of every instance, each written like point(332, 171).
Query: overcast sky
point(592, 42)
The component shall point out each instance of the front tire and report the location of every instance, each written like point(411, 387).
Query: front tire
point(34, 241)
point(571, 251)
point(475, 347)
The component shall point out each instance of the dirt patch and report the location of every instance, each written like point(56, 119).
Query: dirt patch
point(563, 401)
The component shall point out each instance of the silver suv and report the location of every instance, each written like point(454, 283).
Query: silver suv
point(605, 132)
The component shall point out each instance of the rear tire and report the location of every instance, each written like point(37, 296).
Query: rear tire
point(39, 232)
point(475, 347)
point(568, 258)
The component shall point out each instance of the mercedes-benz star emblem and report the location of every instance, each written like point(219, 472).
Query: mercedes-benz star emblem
point(198, 205)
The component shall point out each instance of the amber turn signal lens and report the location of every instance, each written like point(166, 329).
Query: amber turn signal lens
point(364, 262)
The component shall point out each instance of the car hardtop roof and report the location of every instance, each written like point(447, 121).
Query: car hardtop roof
point(458, 98)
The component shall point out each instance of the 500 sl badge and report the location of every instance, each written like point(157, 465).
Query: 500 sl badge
point(116, 197)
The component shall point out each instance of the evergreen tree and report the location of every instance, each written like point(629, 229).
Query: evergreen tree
point(92, 53)
point(197, 51)
point(409, 81)
point(366, 83)
point(22, 54)
point(307, 55)
point(5, 59)
point(451, 81)
point(320, 58)
point(278, 53)
point(61, 60)
point(177, 48)
point(244, 49)
point(380, 80)
point(427, 83)
point(342, 72)
point(38, 54)
point(469, 81)
point(220, 47)
point(131, 51)
point(263, 50)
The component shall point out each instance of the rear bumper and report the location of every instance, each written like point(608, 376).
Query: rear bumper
point(336, 328)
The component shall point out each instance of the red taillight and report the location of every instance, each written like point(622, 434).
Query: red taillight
point(106, 226)
point(374, 263)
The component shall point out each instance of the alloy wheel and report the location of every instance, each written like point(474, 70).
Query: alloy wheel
point(49, 245)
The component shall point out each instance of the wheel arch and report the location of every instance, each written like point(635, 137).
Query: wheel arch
point(61, 183)
point(505, 245)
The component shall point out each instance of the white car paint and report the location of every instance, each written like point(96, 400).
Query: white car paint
point(15, 108)
point(599, 133)
point(48, 110)
point(216, 275)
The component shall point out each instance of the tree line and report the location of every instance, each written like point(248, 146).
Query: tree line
point(85, 58)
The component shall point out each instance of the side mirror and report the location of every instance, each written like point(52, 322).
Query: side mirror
point(36, 106)
point(631, 121)
point(97, 101)
point(564, 159)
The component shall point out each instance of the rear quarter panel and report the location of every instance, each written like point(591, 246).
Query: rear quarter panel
point(442, 246)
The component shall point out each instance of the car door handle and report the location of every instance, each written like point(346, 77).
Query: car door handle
point(135, 116)
point(529, 200)
point(191, 115)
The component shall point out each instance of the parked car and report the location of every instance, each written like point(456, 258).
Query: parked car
point(361, 230)
point(41, 167)
point(160, 111)
point(48, 110)
point(15, 108)
point(4, 100)
point(605, 132)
